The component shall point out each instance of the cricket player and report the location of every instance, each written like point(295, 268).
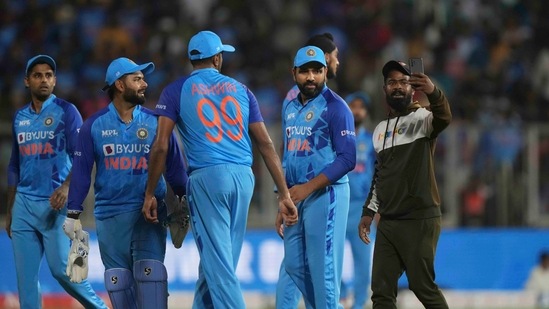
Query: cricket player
point(360, 180)
point(217, 117)
point(320, 149)
point(44, 136)
point(287, 293)
point(117, 139)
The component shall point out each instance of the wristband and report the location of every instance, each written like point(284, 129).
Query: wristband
point(73, 214)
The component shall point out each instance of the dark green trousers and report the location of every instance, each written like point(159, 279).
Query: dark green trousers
point(406, 245)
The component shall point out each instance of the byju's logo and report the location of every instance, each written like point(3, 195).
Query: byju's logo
point(108, 150)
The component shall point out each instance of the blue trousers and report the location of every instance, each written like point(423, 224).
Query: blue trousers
point(128, 237)
point(219, 198)
point(313, 248)
point(37, 230)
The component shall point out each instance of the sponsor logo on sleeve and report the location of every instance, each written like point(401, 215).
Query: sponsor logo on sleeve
point(348, 132)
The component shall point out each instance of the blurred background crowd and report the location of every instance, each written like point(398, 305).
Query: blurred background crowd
point(490, 58)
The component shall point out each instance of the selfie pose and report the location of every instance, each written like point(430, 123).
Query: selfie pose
point(404, 190)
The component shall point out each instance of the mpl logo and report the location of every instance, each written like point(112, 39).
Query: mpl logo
point(108, 150)
point(26, 122)
point(109, 133)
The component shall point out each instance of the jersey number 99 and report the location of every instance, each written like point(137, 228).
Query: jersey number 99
point(219, 122)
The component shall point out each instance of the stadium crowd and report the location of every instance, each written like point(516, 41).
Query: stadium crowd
point(490, 57)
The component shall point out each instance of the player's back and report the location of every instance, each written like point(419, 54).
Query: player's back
point(215, 112)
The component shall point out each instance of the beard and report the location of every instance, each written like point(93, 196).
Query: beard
point(309, 93)
point(42, 94)
point(399, 104)
point(133, 97)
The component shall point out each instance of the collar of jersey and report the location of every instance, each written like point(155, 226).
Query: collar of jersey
point(44, 105)
point(204, 70)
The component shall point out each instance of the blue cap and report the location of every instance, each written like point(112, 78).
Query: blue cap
point(122, 66)
point(40, 59)
point(361, 95)
point(206, 44)
point(309, 54)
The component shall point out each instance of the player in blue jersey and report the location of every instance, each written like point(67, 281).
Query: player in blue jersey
point(117, 140)
point(360, 180)
point(319, 150)
point(217, 117)
point(287, 293)
point(44, 136)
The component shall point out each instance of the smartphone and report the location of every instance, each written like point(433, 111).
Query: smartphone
point(416, 65)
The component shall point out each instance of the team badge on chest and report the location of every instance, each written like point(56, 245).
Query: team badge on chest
point(309, 116)
point(48, 121)
point(142, 133)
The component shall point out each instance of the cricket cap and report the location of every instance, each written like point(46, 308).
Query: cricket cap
point(360, 95)
point(309, 54)
point(40, 59)
point(206, 44)
point(122, 66)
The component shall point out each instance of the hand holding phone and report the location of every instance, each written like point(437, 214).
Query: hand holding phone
point(416, 65)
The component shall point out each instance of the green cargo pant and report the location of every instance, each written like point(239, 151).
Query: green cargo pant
point(406, 245)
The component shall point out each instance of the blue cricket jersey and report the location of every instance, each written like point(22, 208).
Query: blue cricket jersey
point(290, 95)
point(212, 112)
point(319, 137)
point(120, 152)
point(43, 146)
point(360, 178)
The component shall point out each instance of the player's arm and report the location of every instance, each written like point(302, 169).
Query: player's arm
point(175, 171)
point(265, 146)
point(73, 122)
point(343, 137)
point(263, 141)
point(157, 162)
point(83, 160)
